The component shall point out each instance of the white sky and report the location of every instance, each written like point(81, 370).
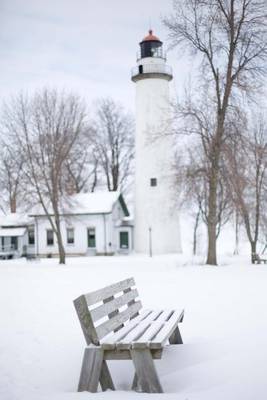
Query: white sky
point(85, 46)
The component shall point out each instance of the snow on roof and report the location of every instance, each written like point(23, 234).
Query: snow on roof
point(92, 203)
point(15, 219)
point(10, 232)
point(86, 203)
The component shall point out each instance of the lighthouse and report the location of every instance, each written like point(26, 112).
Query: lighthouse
point(156, 214)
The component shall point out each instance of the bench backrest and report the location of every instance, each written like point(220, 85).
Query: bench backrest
point(107, 309)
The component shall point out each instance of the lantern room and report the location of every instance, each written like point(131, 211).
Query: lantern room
point(151, 46)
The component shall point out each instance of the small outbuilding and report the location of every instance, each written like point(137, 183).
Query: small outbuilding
point(16, 235)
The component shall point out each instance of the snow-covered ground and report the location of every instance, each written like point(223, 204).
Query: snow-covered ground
point(224, 331)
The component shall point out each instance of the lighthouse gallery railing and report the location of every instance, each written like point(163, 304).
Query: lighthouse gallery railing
point(152, 69)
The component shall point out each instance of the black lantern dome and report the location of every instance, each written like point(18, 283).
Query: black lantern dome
point(151, 46)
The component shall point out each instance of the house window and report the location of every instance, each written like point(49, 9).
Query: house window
point(14, 243)
point(124, 240)
point(153, 182)
point(91, 237)
point(70, 236)
point(31, 236)
point(49, 237)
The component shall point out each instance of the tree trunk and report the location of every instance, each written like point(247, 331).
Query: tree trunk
point(13, 204)
point(61, 250)
point(212, 219)
point(215, 153)
point(195, 233)
point(95, 180)
point(62, 256)
point(236, 250)
point(253, 246)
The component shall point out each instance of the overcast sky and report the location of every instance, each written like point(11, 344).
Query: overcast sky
point(85, 46)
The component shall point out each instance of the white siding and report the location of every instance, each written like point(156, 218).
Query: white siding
point(103, 229)
point(154, 206)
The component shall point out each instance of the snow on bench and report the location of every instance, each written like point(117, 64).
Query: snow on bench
point(116, 327)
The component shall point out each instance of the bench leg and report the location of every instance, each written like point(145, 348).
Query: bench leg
point(105, 378)
point(146, 379)
point(91, 370)
point(135, 384)
point(176, 337)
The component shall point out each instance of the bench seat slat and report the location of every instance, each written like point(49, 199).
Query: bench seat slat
point(126, 342)
point(143, 341)
point(153, 329)
point(163, 335)
point(113, 323)
point(102, 294)
point(110, 341)
point(113, 305)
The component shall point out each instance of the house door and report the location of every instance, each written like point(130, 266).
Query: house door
point(124, 240)
point(14, 243)
point(91, 238)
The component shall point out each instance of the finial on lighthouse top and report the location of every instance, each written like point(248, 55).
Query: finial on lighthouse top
point(150, 37)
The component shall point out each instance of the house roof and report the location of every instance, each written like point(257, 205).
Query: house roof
point(15, 219)
point(88, 203)
point(10, 232)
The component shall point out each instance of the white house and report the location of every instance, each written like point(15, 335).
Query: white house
point(91, 224)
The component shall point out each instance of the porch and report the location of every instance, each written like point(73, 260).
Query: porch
point(11, 242)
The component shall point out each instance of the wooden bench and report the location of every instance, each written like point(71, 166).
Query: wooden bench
point(116, 327)
point(257, 260)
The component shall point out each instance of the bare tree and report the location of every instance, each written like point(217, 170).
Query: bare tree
point(113, 143)
point(82, 165)
point(11, 163)
point(230, 38)
point(192, 179)
point(46, 127)
point(247, 174)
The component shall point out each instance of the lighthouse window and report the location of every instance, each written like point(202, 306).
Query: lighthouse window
point(153, 182)
point(140, 69)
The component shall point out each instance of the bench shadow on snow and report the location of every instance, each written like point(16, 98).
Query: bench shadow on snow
point(181, 367)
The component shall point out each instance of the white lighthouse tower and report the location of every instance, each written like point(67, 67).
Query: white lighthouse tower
point(156, 214)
